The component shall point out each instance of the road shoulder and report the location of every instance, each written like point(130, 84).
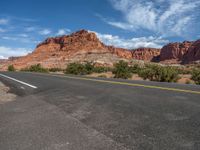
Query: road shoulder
point(5, 96)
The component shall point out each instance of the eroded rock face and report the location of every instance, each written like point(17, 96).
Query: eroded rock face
point(193, 53)
point(80, 46)
point(174, 52)
point(84, 46)
point(146, 54)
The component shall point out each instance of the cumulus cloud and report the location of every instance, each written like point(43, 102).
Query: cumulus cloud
point(170, 17)
point(132, 43)
point(3, 21)
point(6, 52)
point(63, 31)
point(45, 32)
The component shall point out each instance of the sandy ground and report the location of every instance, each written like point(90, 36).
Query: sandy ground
point(184, 79)
point(5, 96)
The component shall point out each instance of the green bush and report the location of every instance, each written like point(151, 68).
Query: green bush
point(159, 73)
point(196, 76)
point(134, 68)
point(76, 68)
point(82, 69)
point(35, 68)
point(122, 70)
point(89, 67)
point(101, 69)
point(11, 68)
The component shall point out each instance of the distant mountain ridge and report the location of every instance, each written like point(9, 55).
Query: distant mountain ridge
point(83, 46)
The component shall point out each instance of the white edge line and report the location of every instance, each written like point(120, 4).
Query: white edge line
point(32, 86)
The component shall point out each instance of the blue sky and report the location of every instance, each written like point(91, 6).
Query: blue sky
point(123, 23)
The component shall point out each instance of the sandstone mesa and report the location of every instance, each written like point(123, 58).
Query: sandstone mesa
point(84, 46)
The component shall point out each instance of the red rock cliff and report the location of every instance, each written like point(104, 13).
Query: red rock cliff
point(174, 52)
point(146, 54)
point(193, 53)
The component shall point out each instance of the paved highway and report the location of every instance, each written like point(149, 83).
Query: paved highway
point(55, 112)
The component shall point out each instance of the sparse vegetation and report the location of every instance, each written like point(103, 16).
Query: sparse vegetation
point(196, 76)
point(83, 69)
point(11, 68)
point(159, 73)
point(89, 67)
point(135, 68)
point(122, 70)
point(76, 69)
point(35, 68)
point(101, 69)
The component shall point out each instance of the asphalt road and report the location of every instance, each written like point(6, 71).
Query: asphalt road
point(55, 112)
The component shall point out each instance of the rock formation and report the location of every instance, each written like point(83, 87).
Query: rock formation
point(181, 53)
point(193, 53)
point(174, 52)
point(80, 46)
point(84, 46)
point(146, 54)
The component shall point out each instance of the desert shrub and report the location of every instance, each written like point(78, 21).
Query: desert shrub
point(184, 71)
point(159, 73)
point(35, 68)
point(76, 68)
point(121, 70)
point(55, 69)
point(89, 67)
point(134, 68)
point(101, 69)
point(11, 68)
point(196, 76)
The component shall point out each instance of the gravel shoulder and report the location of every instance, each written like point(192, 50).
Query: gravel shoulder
point(5, 96)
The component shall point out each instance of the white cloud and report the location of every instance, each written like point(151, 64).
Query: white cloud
point(2, 30)
point(63, 31)
point(23, 35)
point(6, 52)
point(22, 38)
point(45, 32)
point(30, 29)
point(132, 43)
point(3, 21)
point(170, 16)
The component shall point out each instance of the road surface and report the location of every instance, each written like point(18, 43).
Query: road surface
point(56, 112)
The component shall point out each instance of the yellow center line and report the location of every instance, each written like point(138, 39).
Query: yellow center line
point(132, 84)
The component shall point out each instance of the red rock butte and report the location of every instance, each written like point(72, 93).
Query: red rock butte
point(80, 46)
point(84, 46)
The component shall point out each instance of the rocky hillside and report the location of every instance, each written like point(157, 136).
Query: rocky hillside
point(80, 46)
point(84, 46)
point(181, 53)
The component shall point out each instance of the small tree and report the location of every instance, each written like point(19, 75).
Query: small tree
point(11, 68)
point(196, 76)
point(121, 70)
